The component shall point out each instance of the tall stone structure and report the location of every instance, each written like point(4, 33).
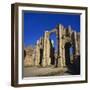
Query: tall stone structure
point(37, 53)
point(66, 38)
point(60, 35)
point(46, 52)
point(78, 43)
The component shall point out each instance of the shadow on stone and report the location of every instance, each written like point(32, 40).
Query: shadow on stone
point(74, 68)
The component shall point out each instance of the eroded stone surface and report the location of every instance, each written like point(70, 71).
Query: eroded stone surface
point(44, 54)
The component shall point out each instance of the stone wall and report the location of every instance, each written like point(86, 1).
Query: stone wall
point(29, 57)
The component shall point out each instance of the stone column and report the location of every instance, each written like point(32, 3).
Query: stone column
point(64, 63)
point(76, 44)
point(37, 54)
point(60, 46)
point(41, 49)
point(63, 45)
point(46, 52)
point(73, 43)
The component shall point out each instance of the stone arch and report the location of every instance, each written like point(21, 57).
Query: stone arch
point(67, 53)
point(54, 49)
point(65, 39)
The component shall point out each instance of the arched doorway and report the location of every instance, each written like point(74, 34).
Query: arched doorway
point(74, 66)
point(67, 53)
point(53, 47)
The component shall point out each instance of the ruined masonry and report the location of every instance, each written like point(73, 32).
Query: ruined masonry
point(44, 53)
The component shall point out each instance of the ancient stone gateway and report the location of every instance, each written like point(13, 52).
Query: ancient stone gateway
point(66, 38)
point(59, 60)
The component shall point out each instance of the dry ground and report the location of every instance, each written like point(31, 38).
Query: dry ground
point(47, 71)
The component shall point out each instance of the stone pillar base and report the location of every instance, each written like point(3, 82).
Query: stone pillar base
point(64, 64)
point(43, 62)
point(37, 63)
point(60, 63)
point(48, 61)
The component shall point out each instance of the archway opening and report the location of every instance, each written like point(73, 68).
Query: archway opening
point(68, 52)
point(53, 49)
point(71, 54)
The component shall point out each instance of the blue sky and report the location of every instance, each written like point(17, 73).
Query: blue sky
point(36, 23)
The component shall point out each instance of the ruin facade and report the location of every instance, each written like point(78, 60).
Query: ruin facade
point(67, 40)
